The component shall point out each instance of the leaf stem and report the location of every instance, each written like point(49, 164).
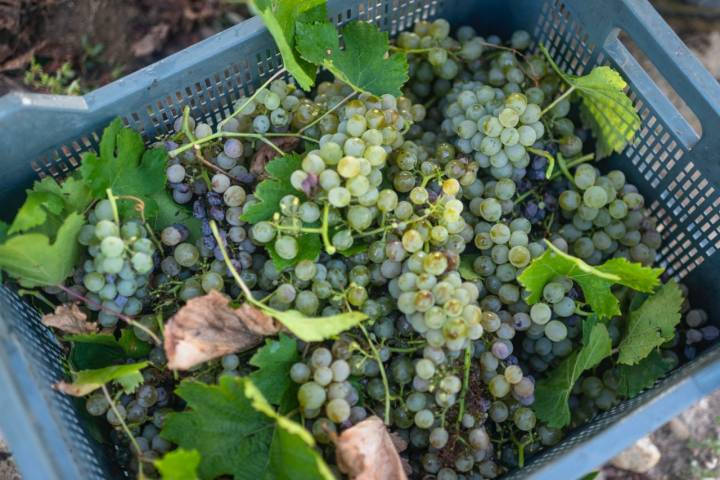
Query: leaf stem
point(249, 100)
point(102, 307)
point(383, 375)
point(335, 107)
point(559, 99)
point(113, 205)
point(124, 426)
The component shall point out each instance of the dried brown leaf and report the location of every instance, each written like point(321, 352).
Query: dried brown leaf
point(70, 319)
point(206, 328)
point(266, 153)
point(366, 451)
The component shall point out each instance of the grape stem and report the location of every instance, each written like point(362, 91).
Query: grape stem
point(125, 428)
point(546, 154)
point(263, 138)
point(231, 267)
point(324, 233)
point(564, 169)
point(102, 307)
point(559, 99)
point(252, 97)
point(422, 50)
point(113, 205)
point(466, 382)
point(140, 208)
point(521, 448)
point(335, 107)
point(383, 375)
point(323, 230)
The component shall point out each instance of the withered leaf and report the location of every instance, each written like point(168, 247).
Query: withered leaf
point(69, 318)
point(366, 451)
point(206, 328)
point(266, 153)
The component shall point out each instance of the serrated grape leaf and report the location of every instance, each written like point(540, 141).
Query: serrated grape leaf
point(87, 381)
point(124, 166)
point(233, 438)
point(467, 268)
point(48, 203)
point(635, 378)
point(596, 282)
point(100, 350)
point(279, 17)
point(309, 248)
point(169, 212)
point(292, 452)
point(270, 191)
point(652, 324)
point(552, 393)
point(611, 113)
point(94, 351)
point(34, 210)
point(35, 262)
point(273, 361)
point(315, 329)
point(179, 464)
point(363, 63)
point(132, 346)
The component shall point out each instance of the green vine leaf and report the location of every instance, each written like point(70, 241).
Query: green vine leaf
point(124, 166)
point(270, 191)
point(552, 393)
point(596, 282)
point(86, 381)
point(316, 329)
point(35, 262)
point(652, 324)
point(279, 17)
point(239, 435)
point(364, 63)
point(635, 378)
point(179, 464)
point(610, 111)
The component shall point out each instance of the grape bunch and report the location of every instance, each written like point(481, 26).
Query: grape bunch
point(144, 412)
point(325, 393)
point(121, 260)
point(605, 218)
point(494, 127)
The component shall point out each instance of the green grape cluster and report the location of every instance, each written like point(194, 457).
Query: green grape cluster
point(121, 260)
point(606, 218)
point(496, 128)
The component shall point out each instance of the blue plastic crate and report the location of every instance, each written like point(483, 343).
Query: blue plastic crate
point(675, 167)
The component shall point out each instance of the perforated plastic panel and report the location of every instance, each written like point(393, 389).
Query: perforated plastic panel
point(675, 167)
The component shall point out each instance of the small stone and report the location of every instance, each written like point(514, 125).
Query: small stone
point(679, 429)
point(638, 458)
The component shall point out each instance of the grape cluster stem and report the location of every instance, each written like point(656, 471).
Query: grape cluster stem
point(121, 316)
